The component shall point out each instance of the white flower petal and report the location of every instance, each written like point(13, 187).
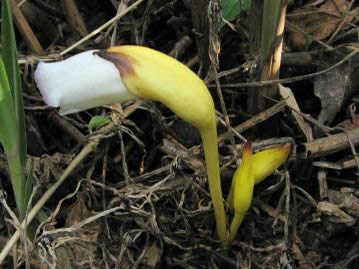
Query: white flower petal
point(81, 82)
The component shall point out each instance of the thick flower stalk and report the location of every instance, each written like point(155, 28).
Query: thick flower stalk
point(118, 74)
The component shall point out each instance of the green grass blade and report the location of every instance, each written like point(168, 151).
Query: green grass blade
point(9, 138)
point(8, 130)
point(12, 123)
point(9, 55)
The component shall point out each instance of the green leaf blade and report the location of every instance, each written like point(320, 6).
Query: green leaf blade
point(9, 53)
point(8, 130)
point(9, 138)
point(12, 123)
point(232, 8)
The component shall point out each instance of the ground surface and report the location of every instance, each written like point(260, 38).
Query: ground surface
point(146, 184)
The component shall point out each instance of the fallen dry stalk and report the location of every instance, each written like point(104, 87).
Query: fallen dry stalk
point(74, 18)
point(260, 117)
point(26, 30)
point(328, 145)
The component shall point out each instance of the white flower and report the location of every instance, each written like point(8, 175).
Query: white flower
point(81, 82)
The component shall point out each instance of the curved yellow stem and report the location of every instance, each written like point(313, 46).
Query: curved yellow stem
point(209, 140)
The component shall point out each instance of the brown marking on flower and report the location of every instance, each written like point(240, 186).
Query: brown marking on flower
point(287, 148)
point(124, 63)
point(247, 147)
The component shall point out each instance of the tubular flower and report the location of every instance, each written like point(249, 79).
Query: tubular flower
point(243, 189)
point(264, 164)
point(122, 73)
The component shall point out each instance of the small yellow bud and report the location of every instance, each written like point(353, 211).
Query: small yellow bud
point(267, 161)
point(243, 190)
point(264, 164)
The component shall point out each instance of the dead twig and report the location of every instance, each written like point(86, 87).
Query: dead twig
point(67, 127)
point(289, 80)
point(26, 30)
point(102, 27)
point(74, 18)
point(260, 117)
point(328, 145)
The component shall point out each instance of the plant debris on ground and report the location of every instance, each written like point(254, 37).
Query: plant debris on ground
point(141, 198)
